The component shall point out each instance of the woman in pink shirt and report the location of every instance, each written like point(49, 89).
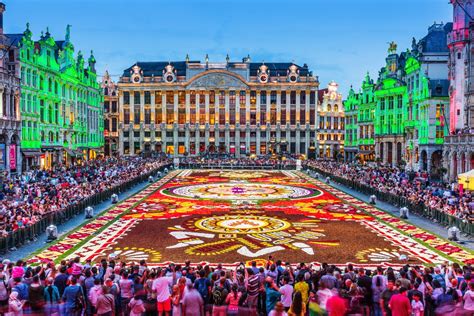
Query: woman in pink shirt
point(232, 300)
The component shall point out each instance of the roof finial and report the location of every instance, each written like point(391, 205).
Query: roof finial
point(187, 58)
point(227, 58)
point(207, 58)
point(68, 32)
point(27, 26)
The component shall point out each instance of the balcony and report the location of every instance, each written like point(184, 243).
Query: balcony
point(458, 36)
point(462, 139)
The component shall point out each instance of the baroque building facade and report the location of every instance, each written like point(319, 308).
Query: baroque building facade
point(61, 101)
point(403, 115)
point(237, 108)
point(330, 122)
point(10, 116)
point(458, 154)
point(111, 116)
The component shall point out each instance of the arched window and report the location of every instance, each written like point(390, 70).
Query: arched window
point(336, 108)
point(329, 108)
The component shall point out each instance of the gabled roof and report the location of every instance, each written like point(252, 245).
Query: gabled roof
point(14, 39)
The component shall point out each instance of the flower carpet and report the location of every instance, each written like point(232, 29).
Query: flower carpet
point(225, 216)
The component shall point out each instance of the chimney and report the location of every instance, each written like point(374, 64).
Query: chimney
point(2, 9)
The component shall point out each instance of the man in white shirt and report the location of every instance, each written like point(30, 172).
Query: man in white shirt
point(161, 286)
point(286, 292)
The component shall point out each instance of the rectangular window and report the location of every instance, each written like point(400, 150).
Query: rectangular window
point(147, 116)
point(293, 114)
point(136, 97)
point(169, 113)
point(242, 98)
point(158, 114)
point(181, 114)
point(114, 106)
point(263, 107)
point(126, 97)
point(303, 98)
point(283, 97)
point(106, 106)
point(293, 97)
point(221, 107)
point(312, 97)
point(136, 114)
point(158, 97)
point(232, 107)
point(169, 97)
point(390, 103)
point(147, 97)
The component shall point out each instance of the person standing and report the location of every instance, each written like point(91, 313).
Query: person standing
point(219, 295)
point(193, 304)
point(469, 298)
point(272, 294)
point(126, 292)
point(386, 296)
point(161, 286)
point(73, 298)
point(136, 306)
point(400, 304)
point(105, 304)
point(298, 307)
point(286, 291)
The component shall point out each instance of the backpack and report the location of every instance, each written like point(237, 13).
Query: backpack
point(218, 296)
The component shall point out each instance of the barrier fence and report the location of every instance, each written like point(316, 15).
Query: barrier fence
point(465, 226)
point(23, 235)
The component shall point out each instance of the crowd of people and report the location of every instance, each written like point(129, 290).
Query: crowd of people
point(418, 190)
point(276, 289)
point(25, 198)
point(243, 162)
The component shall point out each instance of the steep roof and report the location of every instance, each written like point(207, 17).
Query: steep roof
point(155, 68)
point(439, 87)
point(436, 39)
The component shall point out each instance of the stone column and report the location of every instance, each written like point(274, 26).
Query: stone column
point(142, 121)
point(268, 107)
point(258, 107)
point(394, 153)
point(247, 106)
point(8, 99)
point(257, 141)
point(121, 124)
point(206, 100)
point(385, 152)
point(298, 109)
point(163, 108)
point(278, 107)
point(187, 100)
point(226, 104)
point(297, 139)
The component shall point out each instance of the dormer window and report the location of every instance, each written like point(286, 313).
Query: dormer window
point(169, 74)
point(293, 74)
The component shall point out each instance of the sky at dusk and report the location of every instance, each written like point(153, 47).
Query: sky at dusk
point(340, 39)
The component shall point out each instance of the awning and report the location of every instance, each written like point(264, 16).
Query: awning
point(31, 152)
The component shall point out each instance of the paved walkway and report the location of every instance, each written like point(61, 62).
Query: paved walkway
point(427, 224)
point(70, 225)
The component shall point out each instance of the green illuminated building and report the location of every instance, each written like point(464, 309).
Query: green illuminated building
point(61, 101)
point(351, 127)
point(403, 115)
